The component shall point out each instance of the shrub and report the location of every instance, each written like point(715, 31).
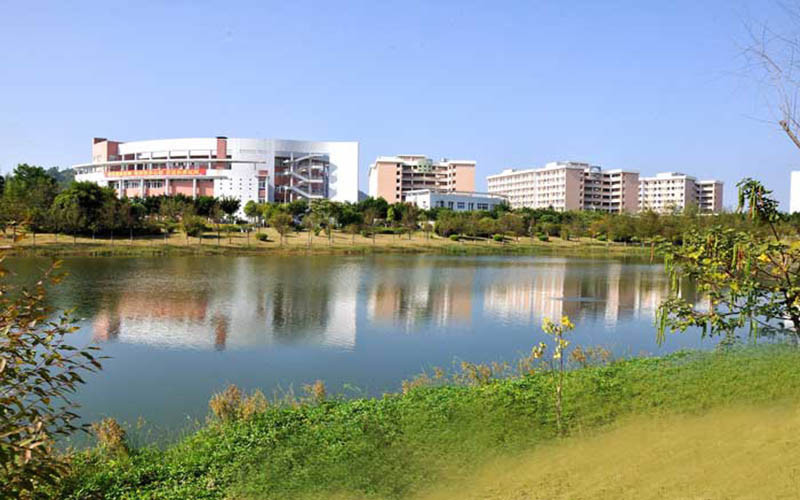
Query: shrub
point(498, 237)
point(601, 237)
point(39, 371)
point(225, 405)
point(262, 237)
point(543, 237)
point(455, 237)
point(110, 435)
point(193, 226)
point(316, 391)
point(231, 404)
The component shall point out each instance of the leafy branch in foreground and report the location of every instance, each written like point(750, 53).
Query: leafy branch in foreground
point(39, 372)
point(750, 277)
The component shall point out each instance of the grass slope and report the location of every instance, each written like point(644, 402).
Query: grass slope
point(741, 453)
point(401, 446)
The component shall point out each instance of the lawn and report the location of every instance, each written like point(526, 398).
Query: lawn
point(438, 439)
point(339, 243)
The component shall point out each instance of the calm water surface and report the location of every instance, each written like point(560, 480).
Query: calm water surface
point(179, 328)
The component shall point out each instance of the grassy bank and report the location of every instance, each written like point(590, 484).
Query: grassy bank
point(299, 243)
point(403, 446)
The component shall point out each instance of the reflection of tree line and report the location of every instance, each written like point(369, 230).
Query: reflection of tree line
point(298, 311)
point(301, 300)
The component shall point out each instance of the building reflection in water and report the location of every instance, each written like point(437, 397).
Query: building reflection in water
point(237, 303)
point(422, 293)
point(612, 291)
point(248, 306)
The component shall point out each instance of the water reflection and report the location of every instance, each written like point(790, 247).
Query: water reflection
point(612, 291)
point(246, 302)
point(426, 294)
point(231, 308)
point(197, 324)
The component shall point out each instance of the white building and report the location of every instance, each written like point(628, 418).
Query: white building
point(794, 196)
point(247, 169)
point(568, 186)
point(674, 191)
point(459, 201)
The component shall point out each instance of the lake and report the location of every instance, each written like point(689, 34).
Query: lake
point(178, 329)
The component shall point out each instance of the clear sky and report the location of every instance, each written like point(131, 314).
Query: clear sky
point(648, 86)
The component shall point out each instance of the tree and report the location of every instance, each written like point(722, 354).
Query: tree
point(229, 205)
point(311, 223)
point(282, 222)
point(203, 205)
point(217, 216)
point(773, 58)
point(251, 210)
point(326, 212)
point(512, 223)
point(39, 373)
point(410, 219)
point(750, 276)
point(370, 217)
point(353, 230)
point(109, 216)
point(89, 201)
point(193, 226)
point(27, 195)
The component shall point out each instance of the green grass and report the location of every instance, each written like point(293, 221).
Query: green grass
point(298, 243)
point(400, 445)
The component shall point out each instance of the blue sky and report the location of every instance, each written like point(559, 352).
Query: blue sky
point(649, 86)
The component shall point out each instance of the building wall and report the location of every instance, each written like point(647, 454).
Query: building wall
point(573, 189)
point(464, 177)
point(456, 201)
point(383, 179)
point(249, 160)
point(567, 186)
point(794, 200)
point(391, 177)
point(630, 192)
point(670, 191)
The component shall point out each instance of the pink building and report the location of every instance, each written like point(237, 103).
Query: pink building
point(391, 177)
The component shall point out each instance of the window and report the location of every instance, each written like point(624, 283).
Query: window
point(449, 204)
point(462, 205)
point(483, 206)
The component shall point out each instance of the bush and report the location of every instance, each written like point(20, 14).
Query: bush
point(262, 237)
point(193, 226)
point(498, 237)
point(39, 373)
point(601, 237)
point(111, 436)
point(231, 404)
point(455, 237)
point(543, 237)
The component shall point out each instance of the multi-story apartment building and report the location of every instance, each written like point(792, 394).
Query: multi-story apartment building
point(674, 191)
point(391, 177)
point(709, 196)
point(247, 169)
point(568, 186)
